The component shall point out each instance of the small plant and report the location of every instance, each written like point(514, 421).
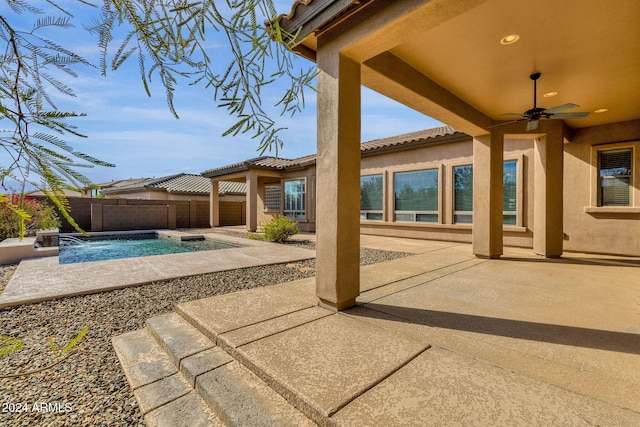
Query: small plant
point(20, 216)
point(9, 345)
point(279, 229)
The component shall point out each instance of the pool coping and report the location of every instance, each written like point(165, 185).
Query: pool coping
point(42, 279)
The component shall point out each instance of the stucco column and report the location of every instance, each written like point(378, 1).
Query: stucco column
point(547, 202)
point(338, 182)
point(487, 195)
point(252, 201)
point(214, 204)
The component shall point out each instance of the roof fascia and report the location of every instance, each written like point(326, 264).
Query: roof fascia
point(317, 15)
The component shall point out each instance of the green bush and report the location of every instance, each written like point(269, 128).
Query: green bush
point(279, 229)
point(43, 217)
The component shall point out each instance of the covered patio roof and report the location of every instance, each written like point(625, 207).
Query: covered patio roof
point(585, 50)
point(469, 64)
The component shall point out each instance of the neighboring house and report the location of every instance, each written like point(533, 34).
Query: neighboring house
point(95, 190)
point(420, 185)
point(174, 187)
point(67, 193)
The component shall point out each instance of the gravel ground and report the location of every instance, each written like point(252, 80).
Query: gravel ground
point(88, 388)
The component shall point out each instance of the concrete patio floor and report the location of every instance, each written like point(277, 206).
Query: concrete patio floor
point(442, 338)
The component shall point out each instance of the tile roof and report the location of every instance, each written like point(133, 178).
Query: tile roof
point(307, 16)
point(180, 183)
point(409, 139)
point(404, 141)
point(227, 187)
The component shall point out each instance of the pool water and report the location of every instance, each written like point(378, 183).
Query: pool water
point(100, 249)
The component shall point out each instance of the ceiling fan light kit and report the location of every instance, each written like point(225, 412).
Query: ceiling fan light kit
point(536, 113)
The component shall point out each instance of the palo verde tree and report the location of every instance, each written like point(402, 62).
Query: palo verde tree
point(167, 39)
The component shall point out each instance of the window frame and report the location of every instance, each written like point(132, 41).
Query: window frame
point(520, 185)
point(519, 192)
point(285, 211)
point(634, 196)
point(455, 212)
point(437, 212)
point(600, 178)
point(381, 211)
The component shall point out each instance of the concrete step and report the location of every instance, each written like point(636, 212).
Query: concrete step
point(177, 337)
point(180, 377)
point(241, 399)
point(164, 396)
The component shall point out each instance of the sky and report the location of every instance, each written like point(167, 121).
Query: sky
point(142, 138)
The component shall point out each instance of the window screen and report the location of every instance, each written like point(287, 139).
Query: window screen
point(272, 197)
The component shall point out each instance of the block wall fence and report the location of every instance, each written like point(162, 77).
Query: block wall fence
point(139, 214)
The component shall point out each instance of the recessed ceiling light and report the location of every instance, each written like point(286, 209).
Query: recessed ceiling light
point(550, 94)
point(601, 110)
point(509, 39)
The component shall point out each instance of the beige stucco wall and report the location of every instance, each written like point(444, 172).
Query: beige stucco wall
point(587, 227)
point(309, 175)
point(445, 157)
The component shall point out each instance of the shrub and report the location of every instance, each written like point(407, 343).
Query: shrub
point(43, 217)
point(279, 229)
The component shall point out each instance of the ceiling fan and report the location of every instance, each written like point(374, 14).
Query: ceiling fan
point(536, 113)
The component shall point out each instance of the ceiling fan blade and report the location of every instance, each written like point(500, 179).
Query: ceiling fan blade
point(505, 123)
point(533, 124)
point(562, 107)
point(576, 115)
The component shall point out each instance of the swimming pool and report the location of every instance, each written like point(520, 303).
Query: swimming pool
point(83, 249)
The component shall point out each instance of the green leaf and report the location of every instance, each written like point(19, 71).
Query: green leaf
point(10, 345)
point(75, 341)
point(53, 347)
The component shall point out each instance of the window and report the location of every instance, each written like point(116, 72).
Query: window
point(509, 200)
point(416, 196)
point(371, 197)
point(272, 197)
point(294, 199)
point(463, 194)
point(615, 177)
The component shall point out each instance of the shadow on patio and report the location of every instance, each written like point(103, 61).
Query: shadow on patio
point(533, 331)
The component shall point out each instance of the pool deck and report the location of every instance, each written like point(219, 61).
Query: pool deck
point(42, 279)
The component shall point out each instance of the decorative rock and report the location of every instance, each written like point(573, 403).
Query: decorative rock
point(90, 379)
